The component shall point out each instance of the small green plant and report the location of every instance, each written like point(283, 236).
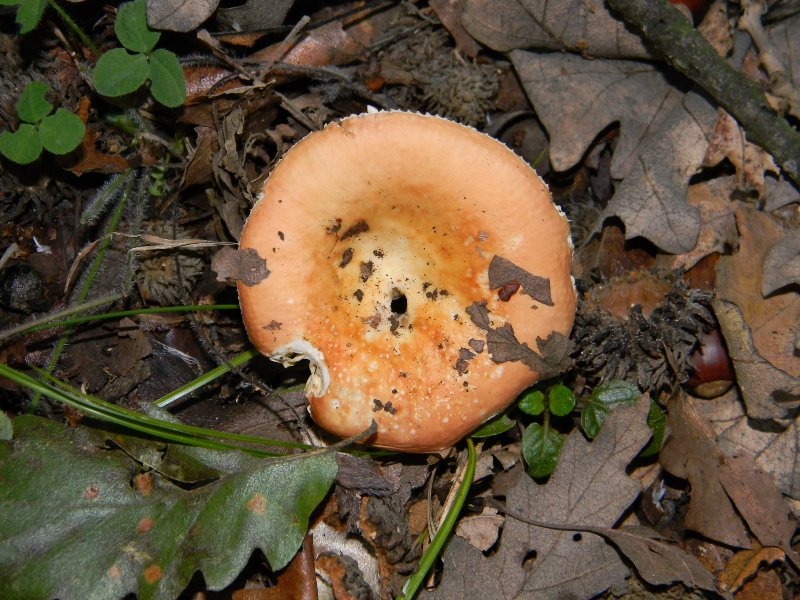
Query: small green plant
point(541, 443)
point(29, 12)
point(59, 133)
point(118, 72)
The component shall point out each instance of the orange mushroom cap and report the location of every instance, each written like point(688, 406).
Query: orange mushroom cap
point(380, 234)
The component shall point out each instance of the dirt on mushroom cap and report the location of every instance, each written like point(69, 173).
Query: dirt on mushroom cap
point(378, 233)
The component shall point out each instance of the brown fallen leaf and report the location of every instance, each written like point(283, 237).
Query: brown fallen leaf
point(773, 321)
point(782, 264)
point(254, 14)
point(87, 159)
point(717, 223)
point(449, 13)
point(481, 530)
point(745, 564)
point(179, 15)
point(725, 490)
point(589, 488)
point(750, 161)
point(775, 450)
point(575, 25)
point(768, 392)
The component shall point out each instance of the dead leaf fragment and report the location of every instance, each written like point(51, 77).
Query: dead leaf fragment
point(239, 265)
point(179, 15)
point(724, 490)
point(782, 264)
point(768, 392)
point(481, 530)
point(745, 564)
point(575, 25)
point(502, 272)
point(588, 488)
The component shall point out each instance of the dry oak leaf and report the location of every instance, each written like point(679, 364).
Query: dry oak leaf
point(782, 264)
point(179, 15)
point(664, 134)
point(727, 492)
point(584, 26)
point(589, 488)
point(773, 321)
point(717, 223)
point(775, 450)
point(750, 161)
point(745, 564)
point(768, 392)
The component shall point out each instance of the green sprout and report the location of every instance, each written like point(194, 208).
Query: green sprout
point(58, 133)
point(118, 72)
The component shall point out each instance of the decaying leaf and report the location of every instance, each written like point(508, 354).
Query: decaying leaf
point(246, 266)
point(576, 98)
point(146, 539)
point(768, 392)
point(772, 321)
point(745, 564)
point(651, 201)
point(775, 450)
point(481, 530)
point(179, 15)
point(782, 264)
point(503, 272)
point(750, 161)
point(575, 25)
point(725, 490)
point(255, 14)
point(588, 488)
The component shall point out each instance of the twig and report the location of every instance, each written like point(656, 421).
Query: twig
point(673, 36)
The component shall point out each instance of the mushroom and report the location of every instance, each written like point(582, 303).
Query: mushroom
point(413, 262)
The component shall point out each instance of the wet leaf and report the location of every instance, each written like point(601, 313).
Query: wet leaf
point(541, 447)
point(532, 403)
point(494, 427)
point(97, 531)
point(603, 399)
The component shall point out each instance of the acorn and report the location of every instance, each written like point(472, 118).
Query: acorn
point(713, 372)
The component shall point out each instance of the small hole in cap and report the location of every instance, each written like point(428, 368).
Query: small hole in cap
point(399, 304)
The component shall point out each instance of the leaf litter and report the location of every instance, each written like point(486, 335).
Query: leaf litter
point(665, 187)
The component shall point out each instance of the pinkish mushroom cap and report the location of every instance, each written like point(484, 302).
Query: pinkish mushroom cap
point(379, 233)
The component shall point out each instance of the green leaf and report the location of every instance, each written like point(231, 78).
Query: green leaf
point(532, 403)
point(132, 29)
point(61, 132)
point(9, 2)
point(603, 400)
point(657, 421)
point(23, 146)
point(562, 400)
point(75, 524)
point(6, 430)
point(29, 14)
point(496, 426)
point(118, 73)
point(541, 447)
point(167, 83)
point(32, 106)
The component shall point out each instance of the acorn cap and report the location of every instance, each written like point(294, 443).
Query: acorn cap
point(397, 246)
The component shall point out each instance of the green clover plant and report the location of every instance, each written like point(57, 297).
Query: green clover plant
point(118, 72)
point(29, 12)
point(59, 133)
point(541, 443)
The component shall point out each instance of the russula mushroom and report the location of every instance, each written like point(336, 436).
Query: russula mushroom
point(412, 261)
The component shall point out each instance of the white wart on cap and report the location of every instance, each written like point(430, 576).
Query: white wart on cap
point(414, 262)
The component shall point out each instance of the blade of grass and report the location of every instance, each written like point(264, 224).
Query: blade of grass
point(437, 544)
